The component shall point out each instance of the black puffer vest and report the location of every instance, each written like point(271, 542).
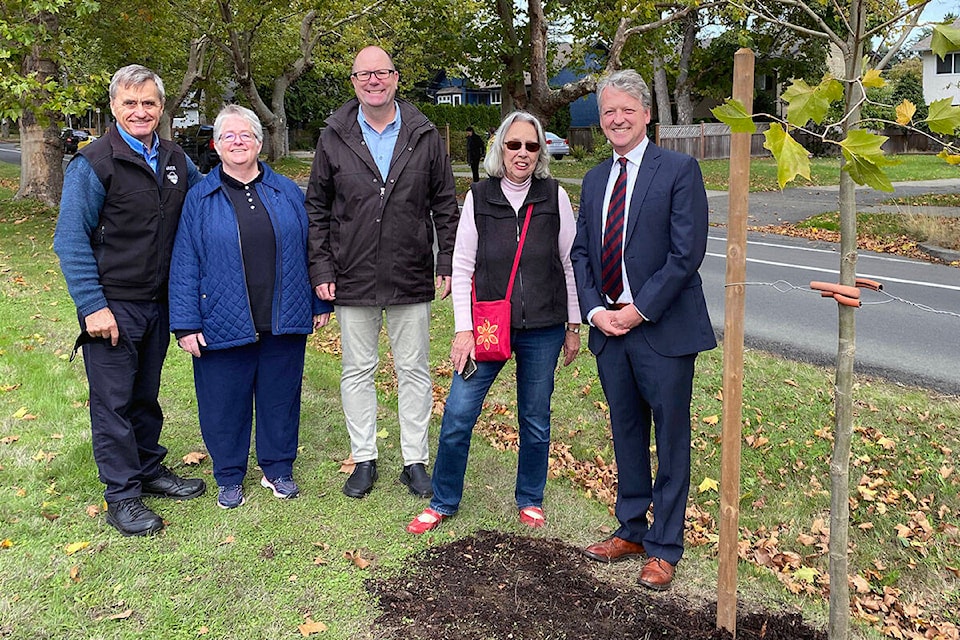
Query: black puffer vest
point(539, 296)
point(134, 237)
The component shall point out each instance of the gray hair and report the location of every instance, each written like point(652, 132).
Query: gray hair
point(134, 75)
point(628, 81)
point(493, 163)
point(243, 112)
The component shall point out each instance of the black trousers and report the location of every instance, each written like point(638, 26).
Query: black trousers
point(475, 167)
point(125, 414)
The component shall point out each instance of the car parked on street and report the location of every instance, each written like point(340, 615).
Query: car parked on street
point(557, 146)
point(71, 139)
point(197, 142)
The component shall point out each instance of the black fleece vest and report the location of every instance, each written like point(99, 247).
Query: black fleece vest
point(134, 237)
point(539, 296)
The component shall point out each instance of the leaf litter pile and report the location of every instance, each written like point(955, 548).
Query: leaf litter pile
point(498, 586)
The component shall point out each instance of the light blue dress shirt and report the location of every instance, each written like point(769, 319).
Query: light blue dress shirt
point(381, 143)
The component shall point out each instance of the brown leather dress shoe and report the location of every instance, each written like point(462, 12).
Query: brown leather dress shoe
point(614, 549)
point(657, 574)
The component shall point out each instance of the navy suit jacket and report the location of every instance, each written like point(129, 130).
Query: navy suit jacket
point(666, 238)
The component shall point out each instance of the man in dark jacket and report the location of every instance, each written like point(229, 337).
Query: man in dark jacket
point(475, 151)
point(380, 186)
point(122, 196)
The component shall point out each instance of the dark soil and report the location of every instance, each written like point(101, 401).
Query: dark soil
point(497, 586)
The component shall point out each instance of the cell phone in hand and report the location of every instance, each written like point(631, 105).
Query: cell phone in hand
point(469, 368)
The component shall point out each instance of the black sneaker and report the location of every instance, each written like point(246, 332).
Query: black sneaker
point(133, 518)
point(361, 480)
point(169, 485)
point(417, 480)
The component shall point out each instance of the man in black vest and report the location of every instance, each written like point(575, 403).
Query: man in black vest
point(121, 202)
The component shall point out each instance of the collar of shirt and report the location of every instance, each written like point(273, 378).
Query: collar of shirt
point(381, 143)
point(150, 155)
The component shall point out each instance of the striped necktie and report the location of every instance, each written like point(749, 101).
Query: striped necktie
point(612, 249)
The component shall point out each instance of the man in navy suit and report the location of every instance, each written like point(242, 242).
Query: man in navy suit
point(648, 319)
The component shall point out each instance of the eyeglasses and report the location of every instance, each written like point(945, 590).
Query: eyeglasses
point(514, 145)
point(146, 105)
point(229, 137)
point(364, 76)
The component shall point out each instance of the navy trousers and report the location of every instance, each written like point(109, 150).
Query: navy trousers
point(125, 415)
point(641, 384)
point(268, 373)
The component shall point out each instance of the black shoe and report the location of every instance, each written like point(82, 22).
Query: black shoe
point(361, 480)
point(416, 478)
point(133, 518)
point(170, 485)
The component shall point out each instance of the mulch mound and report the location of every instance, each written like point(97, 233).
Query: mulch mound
point(497, 586)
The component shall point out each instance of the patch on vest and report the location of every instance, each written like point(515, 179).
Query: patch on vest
point(172, 174)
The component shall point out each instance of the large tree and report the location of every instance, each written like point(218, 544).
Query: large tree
point(32, 88)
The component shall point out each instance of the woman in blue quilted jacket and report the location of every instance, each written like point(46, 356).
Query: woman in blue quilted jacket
point(241, 304)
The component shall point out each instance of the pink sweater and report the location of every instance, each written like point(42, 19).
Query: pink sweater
point(465, 252)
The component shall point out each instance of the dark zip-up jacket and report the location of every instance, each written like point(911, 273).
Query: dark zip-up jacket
point(118, 219)
point(539, 297)
point(374, 238)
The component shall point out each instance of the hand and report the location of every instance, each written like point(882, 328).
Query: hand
point(192, 342)
point(102, 324)
point(327, 291)
point(462, 348)
point(443, 284)
point(321, 320)
point(627, 318)
point(571, 346)
point(603, 320)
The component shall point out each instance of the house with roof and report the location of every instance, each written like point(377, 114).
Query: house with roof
point(459, 88)
point(941, 76)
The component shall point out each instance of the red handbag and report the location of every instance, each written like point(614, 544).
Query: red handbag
point(491, 318)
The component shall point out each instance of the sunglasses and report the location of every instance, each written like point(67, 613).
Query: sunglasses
point(514, 145)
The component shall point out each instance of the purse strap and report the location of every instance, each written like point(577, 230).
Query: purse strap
point(516, 258)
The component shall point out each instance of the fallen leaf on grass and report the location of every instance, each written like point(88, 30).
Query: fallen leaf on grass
point(807, 574)
point(791, 382)
point(359, 561)
point(347, 464)
point(309, 627)
point(6, 543)
point(194, 457)
point(93, 510)
point(860, 584)
point(708, 484)
point(712, 420)
point(9, 439)
point(73, 547)
point(319, 560)
point(75, 573)
point(227, 540)
point(123, 615)
point(202, 631)
point(9, 387)
point(23, 414)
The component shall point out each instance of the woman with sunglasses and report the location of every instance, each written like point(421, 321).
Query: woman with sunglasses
point(241, 304)
point(544, 312)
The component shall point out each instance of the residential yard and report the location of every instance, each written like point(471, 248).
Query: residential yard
point(285, 569)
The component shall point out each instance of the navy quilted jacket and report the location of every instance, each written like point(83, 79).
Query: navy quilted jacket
point(208, 289)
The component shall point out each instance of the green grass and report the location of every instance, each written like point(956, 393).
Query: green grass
point(258, 571)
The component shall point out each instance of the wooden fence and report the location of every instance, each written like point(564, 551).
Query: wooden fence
point(707, 140)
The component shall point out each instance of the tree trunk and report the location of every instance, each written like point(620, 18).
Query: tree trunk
point(839, 624)
point(661, 91)
point(41, 160)
point(690, 25)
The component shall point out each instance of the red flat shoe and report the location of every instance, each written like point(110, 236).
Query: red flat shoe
point(533, 517)
point(426, 521)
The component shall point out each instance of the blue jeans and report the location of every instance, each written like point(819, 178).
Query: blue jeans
point(536, 351)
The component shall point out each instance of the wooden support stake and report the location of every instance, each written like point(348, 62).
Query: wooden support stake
point(739, 193)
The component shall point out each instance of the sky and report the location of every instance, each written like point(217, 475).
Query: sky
point(935, 11)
